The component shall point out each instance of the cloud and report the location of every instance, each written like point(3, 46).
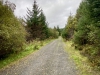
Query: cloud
point(56, 11)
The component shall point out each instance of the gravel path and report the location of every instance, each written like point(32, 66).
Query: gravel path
point(50, 60)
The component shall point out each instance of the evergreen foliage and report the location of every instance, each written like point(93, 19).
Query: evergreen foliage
point(85, 31)
point(44, 26)
point(37, 24)
point(81, 34)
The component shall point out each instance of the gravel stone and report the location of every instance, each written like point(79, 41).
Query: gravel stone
point(50, 60)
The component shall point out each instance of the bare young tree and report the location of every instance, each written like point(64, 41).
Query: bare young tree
point(12, 6)
point(1, 1)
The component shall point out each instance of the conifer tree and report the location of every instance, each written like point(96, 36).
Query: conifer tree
point(43, 26)
point(81, 34)
point(88, 29)
point(33, 20)
point(36, 22)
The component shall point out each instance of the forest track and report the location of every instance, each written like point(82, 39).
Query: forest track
point(50, 60)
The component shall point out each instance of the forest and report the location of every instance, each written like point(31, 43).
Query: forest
point(83, 29)
point(16, 32)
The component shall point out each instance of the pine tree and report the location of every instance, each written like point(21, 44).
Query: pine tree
point(43, 25)
point(94, 10)
point(88, 29)
point(94, 35)
point(36, 22)
point(82, 30)
point(33, 21)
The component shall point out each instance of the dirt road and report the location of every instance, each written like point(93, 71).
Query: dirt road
point(50, 60)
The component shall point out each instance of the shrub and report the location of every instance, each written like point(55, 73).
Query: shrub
point(12, 33)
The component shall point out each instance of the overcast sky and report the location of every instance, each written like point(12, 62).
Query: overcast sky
point(56, 11)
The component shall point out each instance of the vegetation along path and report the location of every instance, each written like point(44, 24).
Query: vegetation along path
point(50, 60)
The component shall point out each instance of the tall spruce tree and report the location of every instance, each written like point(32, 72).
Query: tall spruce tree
point(33, 20)
point(94, 10)
point(36, 22)
point(81, 34)
point(43, 26)
point(88, 22)
point(94, 35)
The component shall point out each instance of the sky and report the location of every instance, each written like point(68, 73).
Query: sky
point(56, 11)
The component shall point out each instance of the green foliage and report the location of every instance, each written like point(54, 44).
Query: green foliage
point(29, 49)
point(88, 29)
point(12, 33)
point(53, 33)
point(59, 30)
point(37, 24)
point(82, 63)
point(81, 34)
point(84, 29)
point(36, 47)
point(69, 28)
point(44, 26)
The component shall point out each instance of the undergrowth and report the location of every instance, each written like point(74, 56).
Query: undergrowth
point(29, 48)
point(82, 62)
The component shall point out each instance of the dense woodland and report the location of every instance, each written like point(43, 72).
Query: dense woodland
point(84, 30)
point(16, 32)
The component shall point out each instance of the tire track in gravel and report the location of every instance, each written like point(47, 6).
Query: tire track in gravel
point(50, 60)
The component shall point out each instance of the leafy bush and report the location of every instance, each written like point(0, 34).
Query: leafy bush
point(53, 33)
point(12, 33)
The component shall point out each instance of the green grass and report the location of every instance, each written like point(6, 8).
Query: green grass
point(29, 48)
point(82, 63)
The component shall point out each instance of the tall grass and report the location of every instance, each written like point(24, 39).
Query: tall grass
point(29, 48)
point(82, 63)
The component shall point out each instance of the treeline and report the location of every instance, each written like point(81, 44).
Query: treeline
point(37, 25)
point(84, 30)
point(15, 32)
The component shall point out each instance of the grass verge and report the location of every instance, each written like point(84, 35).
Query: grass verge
point(30, 48)
point(82, 63)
